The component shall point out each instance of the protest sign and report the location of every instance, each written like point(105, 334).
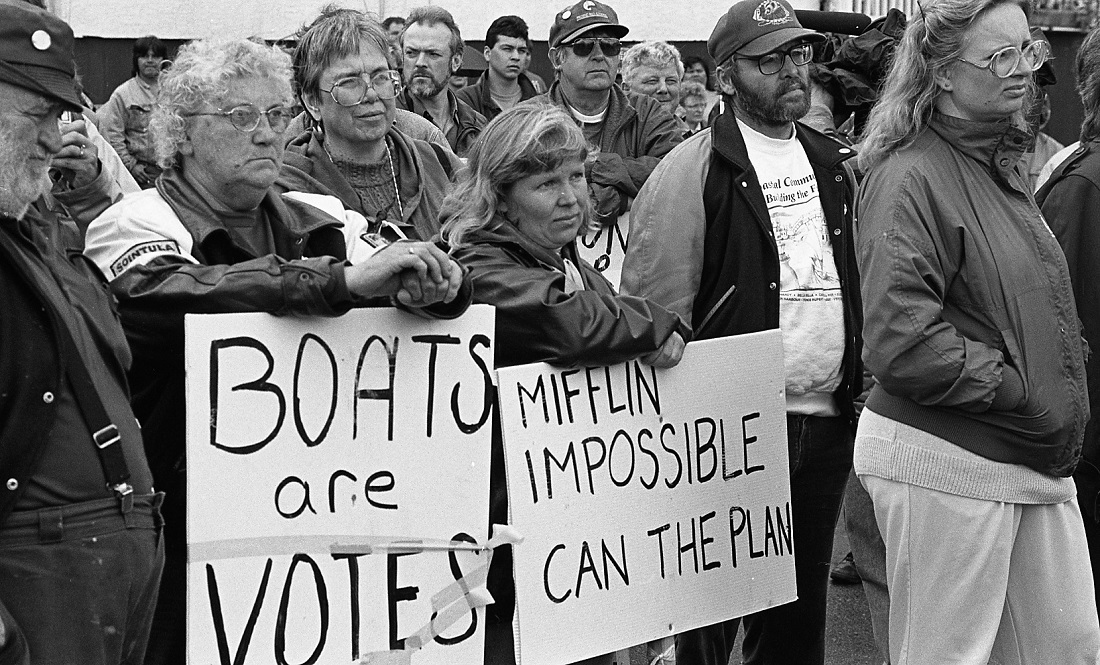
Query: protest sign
point(338, 483)
point(651, 501)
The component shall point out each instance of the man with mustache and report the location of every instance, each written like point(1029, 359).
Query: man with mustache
point(745, 227)
point(431, 51)
point(627, 133)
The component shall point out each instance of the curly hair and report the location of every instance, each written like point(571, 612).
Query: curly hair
point(201, 75)
point(1087, 73)
point(932, 41)
point(652, 53)
point(527, 139)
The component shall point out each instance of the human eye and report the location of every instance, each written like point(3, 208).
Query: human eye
point(771, 60)
point(243, 115)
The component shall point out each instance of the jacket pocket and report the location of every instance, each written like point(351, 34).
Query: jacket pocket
point(714, 310)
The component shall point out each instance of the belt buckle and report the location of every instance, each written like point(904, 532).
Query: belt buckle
point(124, 492)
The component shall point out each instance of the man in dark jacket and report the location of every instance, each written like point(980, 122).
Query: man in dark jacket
point(504, 83)
point(80, 529)
point(431, 51)
point(764, 242)
point(627, 133)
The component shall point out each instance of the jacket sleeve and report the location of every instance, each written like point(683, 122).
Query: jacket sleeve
point(664, 256)
point(112, 123)
point(537, 321)
point(146, 253)
point(658, 134)
point(908, 346)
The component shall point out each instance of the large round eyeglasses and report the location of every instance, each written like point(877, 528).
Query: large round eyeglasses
point(772, 63)
point(1006, 61)
point(351, 91)
point(246, 117)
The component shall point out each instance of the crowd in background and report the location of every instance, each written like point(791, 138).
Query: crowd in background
point(887, 200)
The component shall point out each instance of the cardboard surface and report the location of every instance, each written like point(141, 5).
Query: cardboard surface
point(330, 464)
point(651, 501)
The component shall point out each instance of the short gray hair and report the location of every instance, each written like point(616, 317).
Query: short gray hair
point(653, 54)
point(200, 75)
point(432, 15)
point(335, 34)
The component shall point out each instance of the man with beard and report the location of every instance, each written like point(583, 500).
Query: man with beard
point(748, 227)
point(125, 116)
point(80, 528)
point(627, 133)
point(431, 51)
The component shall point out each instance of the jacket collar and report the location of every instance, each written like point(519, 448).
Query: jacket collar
point(503, 233)
point(620, 111)
point(820, 149)
point(526, 89)
point(201, 219)
point(996, 145)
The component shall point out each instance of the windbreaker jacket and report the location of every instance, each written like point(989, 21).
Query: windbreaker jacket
point(970, 325)
point(637, 133)
point(479, 98)
point(1070, 201)
point(425, 177)
point(701, 240)
point(537, 321)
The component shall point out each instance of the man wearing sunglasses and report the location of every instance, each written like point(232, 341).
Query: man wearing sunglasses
point(747, 227)
point(628, 134)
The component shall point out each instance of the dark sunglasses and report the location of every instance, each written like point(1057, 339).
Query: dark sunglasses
point(582, 48)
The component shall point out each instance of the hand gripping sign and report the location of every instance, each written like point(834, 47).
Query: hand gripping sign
point(651, 501)
point(338, 483)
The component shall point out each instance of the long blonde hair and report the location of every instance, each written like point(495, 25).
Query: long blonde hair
point(932, 40)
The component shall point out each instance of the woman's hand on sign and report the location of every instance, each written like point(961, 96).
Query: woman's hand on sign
point(416, 273)
point(669, 354)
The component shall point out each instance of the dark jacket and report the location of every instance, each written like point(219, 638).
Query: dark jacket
point(468, 122)
point(425, 177)
point(970, 324)
point(32, 357)
point(637, 133)
point(1070, 201)
point(477, 96)
point(701, 240)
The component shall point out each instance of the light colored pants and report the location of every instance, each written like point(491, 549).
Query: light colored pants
point(974, 581)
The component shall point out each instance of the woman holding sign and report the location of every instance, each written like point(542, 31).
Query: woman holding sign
point(969, 437)
point(512, 221)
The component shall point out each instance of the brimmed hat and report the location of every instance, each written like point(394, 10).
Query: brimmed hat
point(583, 17)
point(36, 52)
point(756, 27)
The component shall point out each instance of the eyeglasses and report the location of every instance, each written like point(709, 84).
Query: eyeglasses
point(246, 117)
point(351, 91)
point(582, 48)
point(1005, 62)
point(772, 63)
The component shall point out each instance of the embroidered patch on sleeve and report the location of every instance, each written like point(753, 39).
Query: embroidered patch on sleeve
point(137, 251)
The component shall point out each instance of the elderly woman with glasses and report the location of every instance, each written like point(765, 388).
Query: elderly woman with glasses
point(345, 77)
point(215, 235)
point(969, 437)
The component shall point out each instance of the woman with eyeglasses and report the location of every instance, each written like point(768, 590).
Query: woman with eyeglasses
point(354, 152)
point(215, 235)
point(969, 437)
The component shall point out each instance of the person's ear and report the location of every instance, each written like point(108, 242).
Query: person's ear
point(312, 106)
point(456, 63)
point(486, 53)
point(942, 77)
point(724, 78)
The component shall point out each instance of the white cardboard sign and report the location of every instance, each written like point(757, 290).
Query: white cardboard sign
point(651, 501)
point(331, 461)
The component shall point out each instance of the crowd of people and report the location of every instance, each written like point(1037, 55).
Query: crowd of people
point(933, 306)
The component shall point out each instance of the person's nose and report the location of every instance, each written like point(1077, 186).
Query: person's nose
point(49, 136)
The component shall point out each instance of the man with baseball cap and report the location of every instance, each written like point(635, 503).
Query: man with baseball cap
point(628, 133)
point(748, 227)
point(80, 552)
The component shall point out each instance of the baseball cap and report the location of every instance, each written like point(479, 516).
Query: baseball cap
point(756, 27)
point(583, 17)
point(36, 52)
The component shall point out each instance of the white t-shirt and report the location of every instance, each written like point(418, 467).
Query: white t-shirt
point(811, 310)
